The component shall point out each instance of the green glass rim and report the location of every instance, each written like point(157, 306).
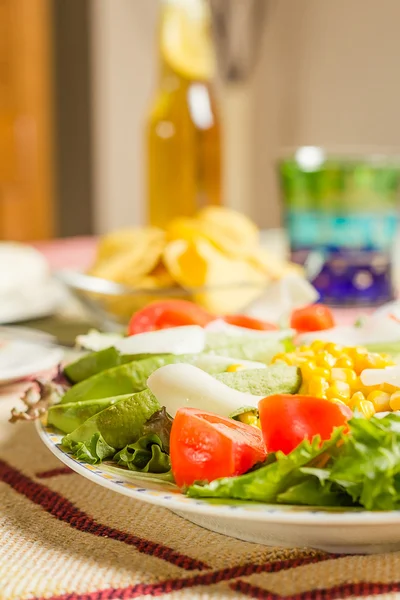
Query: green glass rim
point(313, 157)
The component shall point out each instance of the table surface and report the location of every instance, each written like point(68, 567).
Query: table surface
point(65, 538)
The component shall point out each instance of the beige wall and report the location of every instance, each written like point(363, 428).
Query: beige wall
point(329, 73)
point(123, 78)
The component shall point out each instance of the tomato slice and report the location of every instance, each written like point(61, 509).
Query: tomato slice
point(287, 420)
point(205, 446)
point(168, 313)
point(312, 318)
point(249, 322)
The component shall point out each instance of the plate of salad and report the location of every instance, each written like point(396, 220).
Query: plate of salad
point(284, 436)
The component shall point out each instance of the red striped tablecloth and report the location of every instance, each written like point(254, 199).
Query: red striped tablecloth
point(65, 538)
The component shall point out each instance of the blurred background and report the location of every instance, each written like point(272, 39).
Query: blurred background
point(79, 78)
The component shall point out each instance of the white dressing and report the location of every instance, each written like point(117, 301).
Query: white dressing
point(375, 329)
point(189, 339)
point(220, 326)
point(182, 385)
point(391, 375)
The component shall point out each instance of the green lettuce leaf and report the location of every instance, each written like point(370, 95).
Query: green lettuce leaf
point(145, 455)
point(314, 492)
point(362, 470)
point(368, 467)
point(120, 424)
point(93, 451)
point(270, 481)
point(160, 423)
point(162, 481)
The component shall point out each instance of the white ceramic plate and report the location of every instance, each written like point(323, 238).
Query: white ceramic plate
point(334, 531)
point(31, 303)
point(20, 359)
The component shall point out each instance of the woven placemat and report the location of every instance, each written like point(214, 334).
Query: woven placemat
point(65, 538)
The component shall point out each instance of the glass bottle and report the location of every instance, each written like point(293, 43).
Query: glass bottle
point(183, 129)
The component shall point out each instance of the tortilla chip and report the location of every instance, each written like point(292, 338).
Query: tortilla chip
point(232, 283)
point(129, 265)
point(125, 239)
point(231, 225)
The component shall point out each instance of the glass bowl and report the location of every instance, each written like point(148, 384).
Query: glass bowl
point(111, 304)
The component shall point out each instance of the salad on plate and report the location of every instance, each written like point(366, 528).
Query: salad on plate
point(236, 408)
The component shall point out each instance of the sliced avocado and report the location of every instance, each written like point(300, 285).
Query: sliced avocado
point(132, 377)
point(96, 362)
point(275, 379)
point(392, 348)
point(67, 417)
point(260, 350)
point(128, 378)
point(118, 425)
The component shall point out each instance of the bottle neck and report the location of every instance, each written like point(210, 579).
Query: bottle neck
point(180, 22)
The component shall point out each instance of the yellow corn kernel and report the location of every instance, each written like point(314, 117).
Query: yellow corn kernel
point(308, 356)
point(298, 361)
point(234, 368)
point(334, 349)
point(377, 361)
point(380, 400)
point(290, 359)
point(305, 351)
point(342, 374)
point(365, 389)
point(317, 346)
point(344, 362)
point(318, 386)
point(388, 388)
point(304, 348)
point(395, 401)
point(307, 370)
point(356, 351)
point(360, 359)
point(322, 372)
point(279, 357)
point(249, 418)
point(325, 360)
point(366, 408)
point(356, 399)
point(339, 389)
point(388, 359)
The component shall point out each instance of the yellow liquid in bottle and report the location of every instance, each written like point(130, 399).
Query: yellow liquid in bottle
point(183, 132)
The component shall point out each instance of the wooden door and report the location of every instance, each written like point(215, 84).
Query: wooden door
point(26, 185)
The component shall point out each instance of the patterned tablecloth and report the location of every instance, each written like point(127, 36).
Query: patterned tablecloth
point(65, 538)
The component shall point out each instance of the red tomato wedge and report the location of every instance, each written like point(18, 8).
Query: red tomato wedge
point(205, 446)
point(312, 318)
point(287, 420)
point(249, 322)
point(168, 313)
